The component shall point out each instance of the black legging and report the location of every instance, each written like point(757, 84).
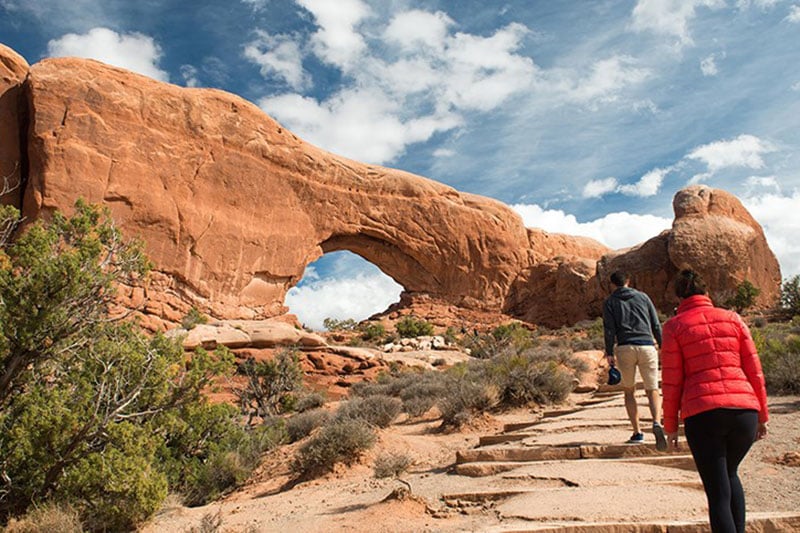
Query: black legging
point(719, 440)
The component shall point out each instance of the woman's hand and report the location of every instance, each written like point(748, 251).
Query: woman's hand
point(762, 431)
point(672, 440)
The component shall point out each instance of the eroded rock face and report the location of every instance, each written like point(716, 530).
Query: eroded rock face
point(13, 71)
point(232, 208)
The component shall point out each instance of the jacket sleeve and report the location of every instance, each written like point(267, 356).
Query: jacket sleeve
point(655, 324)
point(671, 378)
point(751, 365)
point(609, 328)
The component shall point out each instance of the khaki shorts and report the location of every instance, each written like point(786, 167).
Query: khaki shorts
point(629, 356)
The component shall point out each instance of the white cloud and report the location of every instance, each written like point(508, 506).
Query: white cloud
point(743, 151)
point(597, 188)
point(189, 74)
point(607, 77)
point(278, 55)
point(777, 214)
point(669, 17)
point(337, 41)
point(432, 80)
point(133, 51)
point(708, 66)
point(363, 124)
point(414, 30)
point(357, 297)
point(794, 14)
point(762, 4)
point(615, 230)
point(763, 181)
point(796, 85)
point(444, 152)
point(648, 185)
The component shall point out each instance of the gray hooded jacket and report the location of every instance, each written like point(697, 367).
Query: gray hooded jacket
point(630, 317)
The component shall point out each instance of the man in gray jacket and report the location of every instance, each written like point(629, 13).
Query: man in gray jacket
point(630, 319)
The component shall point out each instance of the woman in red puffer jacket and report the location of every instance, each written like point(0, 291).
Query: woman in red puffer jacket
point(712, 379)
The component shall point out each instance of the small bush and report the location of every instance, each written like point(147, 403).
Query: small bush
point(372, 331)
point(745, 297)
point(779, 350)
point(466, 396)
point(46, 519)
point(310, 401)
point(332, 324)
point(342, 441)
point(302, 424)
point(375, 410)
point(193, 318)
point(210, 523)
point(391, 465)
point(410, 327)
point(790, 296)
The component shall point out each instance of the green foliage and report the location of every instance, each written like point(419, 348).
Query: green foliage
point(56, 286)
point(342, 441)
point(332, 324)
point(375, 410)
point(93, 414)
point(193, 318)
point(271, 385)
point(529, 377)
point(745, 297)
point(790, 296)
point(371, 331)
point(409, 327)
point(504, 339)
point(778, 346)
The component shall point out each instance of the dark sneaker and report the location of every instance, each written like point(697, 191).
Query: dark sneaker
point(636, 438)
point(661, 437)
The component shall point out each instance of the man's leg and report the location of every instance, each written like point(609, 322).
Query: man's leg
point(632, 409)
point(626, 362)
point(654, 400)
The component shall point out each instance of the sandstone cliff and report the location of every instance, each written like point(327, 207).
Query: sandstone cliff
point(232, 207)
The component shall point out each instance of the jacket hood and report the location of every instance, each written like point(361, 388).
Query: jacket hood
point(624, 293)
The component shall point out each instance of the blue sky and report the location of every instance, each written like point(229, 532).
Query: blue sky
point(586, 117)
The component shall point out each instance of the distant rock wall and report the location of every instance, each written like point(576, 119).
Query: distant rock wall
point(233, 207)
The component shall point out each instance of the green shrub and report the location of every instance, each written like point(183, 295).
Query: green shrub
point(790, 296)
point(342, 441)
point(372, 331)
point(332, 324)
point(391, 465)
point(779, 350)
point(193, 318)
point(376, 410)
point(744, 298)
point(271, 385)
point(302, 424)
point(409, 327)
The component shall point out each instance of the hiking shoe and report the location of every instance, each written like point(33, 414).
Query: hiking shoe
point(636, 438)
point(661, 437)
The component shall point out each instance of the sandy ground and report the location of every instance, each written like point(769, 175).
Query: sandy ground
point(543, 493)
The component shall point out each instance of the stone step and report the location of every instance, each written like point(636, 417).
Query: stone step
point(756, 523)
point(570, 452)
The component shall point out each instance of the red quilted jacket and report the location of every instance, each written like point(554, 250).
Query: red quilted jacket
point(709, 361)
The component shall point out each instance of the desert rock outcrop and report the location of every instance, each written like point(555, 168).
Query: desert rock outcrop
point(13, 71)
point(233, 207)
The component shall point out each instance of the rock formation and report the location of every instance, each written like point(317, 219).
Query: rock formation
point(233, 207)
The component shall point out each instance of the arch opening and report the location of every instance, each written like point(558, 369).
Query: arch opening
point(341, 285)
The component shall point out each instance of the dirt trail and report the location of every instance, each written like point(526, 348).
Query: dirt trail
point(558, 470)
